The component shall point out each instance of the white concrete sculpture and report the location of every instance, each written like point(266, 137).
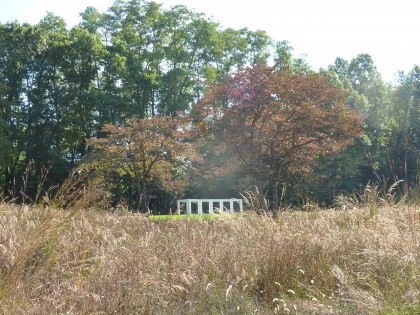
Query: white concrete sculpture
point(187, 205)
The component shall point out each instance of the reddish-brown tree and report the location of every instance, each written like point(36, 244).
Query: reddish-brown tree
point(151, 153)
point(276, 123)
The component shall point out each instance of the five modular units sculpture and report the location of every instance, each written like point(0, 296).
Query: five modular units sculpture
point(200, 206)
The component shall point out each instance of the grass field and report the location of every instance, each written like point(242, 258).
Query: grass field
point(356, 261)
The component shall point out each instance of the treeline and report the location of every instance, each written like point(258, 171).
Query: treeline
point(64, 89)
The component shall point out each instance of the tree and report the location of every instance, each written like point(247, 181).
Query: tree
point(18, 45)
point(284, 60)
point(403, 128)
point(276, 123)
point(368, 94)
point(283, 55)
point(259, 42)
point(146, 156)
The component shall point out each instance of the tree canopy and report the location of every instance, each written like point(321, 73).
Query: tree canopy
point(260, 116)
point(143, 157)
point(277, 123)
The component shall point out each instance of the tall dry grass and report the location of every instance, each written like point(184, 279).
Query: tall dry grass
point(349, 261)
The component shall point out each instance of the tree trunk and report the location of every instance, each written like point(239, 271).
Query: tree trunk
point(275, 196)
point(9, 175)
point(143, 201)
point(406, 143)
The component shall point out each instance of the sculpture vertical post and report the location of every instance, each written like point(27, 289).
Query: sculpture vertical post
point(188, 206)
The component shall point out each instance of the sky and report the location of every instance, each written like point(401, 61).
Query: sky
point(318, 30)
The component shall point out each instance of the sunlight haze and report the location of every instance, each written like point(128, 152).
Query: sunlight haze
point(319, 30)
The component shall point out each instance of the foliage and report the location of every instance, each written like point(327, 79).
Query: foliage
point(277, 123)
point(61, 85)
point(143, 157)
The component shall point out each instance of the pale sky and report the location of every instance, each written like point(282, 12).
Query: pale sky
point(321, 30)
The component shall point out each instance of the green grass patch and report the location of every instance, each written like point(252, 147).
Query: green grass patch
point(174, 217)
